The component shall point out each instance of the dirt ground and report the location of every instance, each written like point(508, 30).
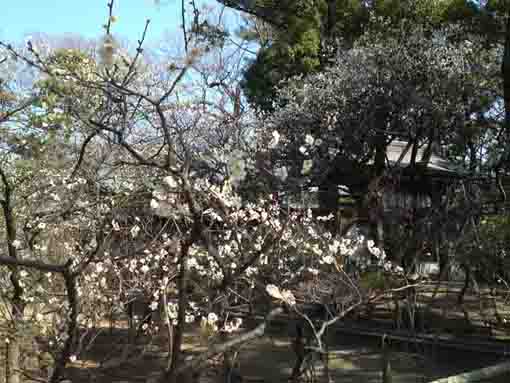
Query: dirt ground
point(270, 359)
point(352, 358)
point(483, 314)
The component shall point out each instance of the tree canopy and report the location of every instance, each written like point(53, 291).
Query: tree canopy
point(305, 35)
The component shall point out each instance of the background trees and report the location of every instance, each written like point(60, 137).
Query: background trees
point(305, 35)
point(127, 175)
point(405, 106)
point(120, 176)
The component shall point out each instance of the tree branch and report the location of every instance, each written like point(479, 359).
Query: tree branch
point(37, 265)
point(197, 362)
point(82, 153)
point(72, 325)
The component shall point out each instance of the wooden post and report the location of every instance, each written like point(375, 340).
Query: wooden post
point(7, 372)
point(299, 347)
point(387, 375)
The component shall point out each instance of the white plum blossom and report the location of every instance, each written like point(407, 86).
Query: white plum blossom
point(327, 259)
point(375, 251)
point(273, 291)
point(134, 231)
point(107, 50)
point(212, 317)
point(233, 325)
point(284, 295)
point(250, 271)
point(237, 167)
point(275, 140)
point(154, 204)
point(307, 167)
point(193, 263)
point(171, 309)
point(100, 267)
point(210, 322)
point(171, 182)
point(316, 249)
point(329, 217)
point(115, 226)
point(333, 247)
point(288, 297)
point(281, 173)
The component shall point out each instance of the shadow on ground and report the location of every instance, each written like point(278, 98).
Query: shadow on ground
point(270, 359)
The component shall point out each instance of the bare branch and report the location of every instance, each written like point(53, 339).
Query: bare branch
point(6, 115)
point(110, 16)
point(82, 153)
point(139, 51)
point(37, 265)
point(183, 16)
point(72, 325)
point(197, 362)
point(174, 84)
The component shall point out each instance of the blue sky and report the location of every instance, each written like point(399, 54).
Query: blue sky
point(20, 18)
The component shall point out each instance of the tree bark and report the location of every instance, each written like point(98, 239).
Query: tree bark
point(505, 69)
point(331, 18)
point(17, 304)
point(505, 72)
point(13, 358)
point(299, 347)
point(72, 327)
point(182, 285)
point(387, 375)
point(467, 270)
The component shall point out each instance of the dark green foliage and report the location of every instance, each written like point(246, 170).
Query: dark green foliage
point(300, 44)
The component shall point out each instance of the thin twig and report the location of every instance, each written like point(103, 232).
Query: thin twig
point(197, 362)
point(110, 15)
point(82, 153)
point(183, 16)
point(139, 51)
